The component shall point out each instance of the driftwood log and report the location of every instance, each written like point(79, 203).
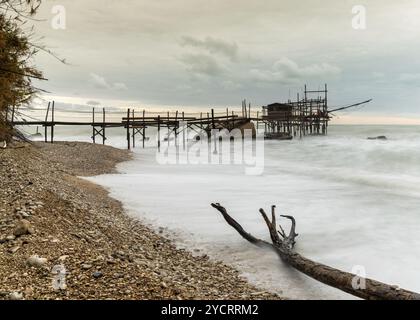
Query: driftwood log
point(284, 243)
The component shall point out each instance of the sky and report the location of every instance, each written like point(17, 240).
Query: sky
point(202, 54)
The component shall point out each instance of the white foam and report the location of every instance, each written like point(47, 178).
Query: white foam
point(356, 203)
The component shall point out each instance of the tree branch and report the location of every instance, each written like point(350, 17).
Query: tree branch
point(358, 286)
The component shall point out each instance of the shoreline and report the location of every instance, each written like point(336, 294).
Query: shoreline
point(71, 222)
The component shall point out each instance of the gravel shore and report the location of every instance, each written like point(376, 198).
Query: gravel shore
point(62, 237)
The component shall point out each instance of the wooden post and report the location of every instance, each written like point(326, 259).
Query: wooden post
point(213, 125)
point(326, 109)
point(249, 111)
point(169, 130)
point(103, 126)
point(128, 129)
point(258, 121)
point(144, 127)
point(52, 123)
point(176, 126)
point(93, 125)
point(233, 120)
point(326, 95)
point(158, 133)
point(45, 124)
point(183, 130)
point(134, 132)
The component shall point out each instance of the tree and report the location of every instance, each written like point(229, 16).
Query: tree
point(16, 60)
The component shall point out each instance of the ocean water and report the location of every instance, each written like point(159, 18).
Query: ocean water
point(356, 201)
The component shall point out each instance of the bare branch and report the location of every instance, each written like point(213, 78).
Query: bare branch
point(341, 280)
point(232, 222)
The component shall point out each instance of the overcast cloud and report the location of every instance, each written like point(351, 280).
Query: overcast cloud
point(216, 53)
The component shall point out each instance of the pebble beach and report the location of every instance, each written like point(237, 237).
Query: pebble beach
point(62, 237)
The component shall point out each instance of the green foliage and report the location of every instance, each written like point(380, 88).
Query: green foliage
point(16, 53)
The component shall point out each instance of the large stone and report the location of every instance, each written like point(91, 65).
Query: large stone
point(23, 227)
point(14, 249)
point(36, 261)
point(15, 296)
point(86, 266)
point(378, 138)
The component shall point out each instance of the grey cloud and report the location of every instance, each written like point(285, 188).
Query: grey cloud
point(101, 83)
point(288, 71)
point(119, 86)
point(93, 103)
point(202, 64)
point(98, 81)
point(213, 45)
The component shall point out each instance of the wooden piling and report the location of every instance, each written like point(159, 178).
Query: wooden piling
point(93, 126)
point(52, 123)
point(46, 123)
point(103, 126)
point(134, 131)
point(169, 129)
point(258, 121)
point(213, 125)
point(185, 127)
point(176, 127)
point(128, 129)
point(144, 127)
point(158, 133)
point(233, 120)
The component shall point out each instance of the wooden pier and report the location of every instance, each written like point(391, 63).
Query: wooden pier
point(308, 115)
point(135, 123)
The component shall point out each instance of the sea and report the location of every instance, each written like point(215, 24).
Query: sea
point(356, 202)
